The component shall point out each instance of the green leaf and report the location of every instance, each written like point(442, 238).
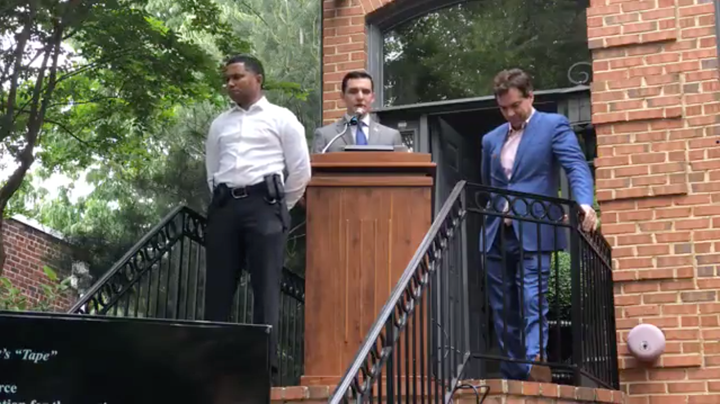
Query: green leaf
point(50, 273)
point(48, 289)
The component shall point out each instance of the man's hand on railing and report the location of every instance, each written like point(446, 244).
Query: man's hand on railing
point(589, 222)
point(589, 218)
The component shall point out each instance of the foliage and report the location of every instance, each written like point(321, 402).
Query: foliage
point(431, 59)
point(86, 81)
point(559, 296)
point(134, 190)
point(12, 299)
point(287, 37)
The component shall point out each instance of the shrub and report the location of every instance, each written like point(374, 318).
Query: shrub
point(559, 294)
point(12, 298)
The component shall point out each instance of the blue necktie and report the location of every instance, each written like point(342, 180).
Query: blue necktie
point(361, 138)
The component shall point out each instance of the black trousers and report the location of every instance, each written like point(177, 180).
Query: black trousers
point(250, 233)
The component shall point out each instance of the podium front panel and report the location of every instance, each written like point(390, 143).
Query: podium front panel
point(362, 231)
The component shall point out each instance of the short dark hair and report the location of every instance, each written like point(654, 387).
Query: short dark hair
point(358, 74)
point(512, 78)
point(251, 63)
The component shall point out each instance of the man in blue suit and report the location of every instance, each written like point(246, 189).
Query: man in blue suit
point(525, 155)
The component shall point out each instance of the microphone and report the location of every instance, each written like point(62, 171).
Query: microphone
point(359, 113)
point(354, 120)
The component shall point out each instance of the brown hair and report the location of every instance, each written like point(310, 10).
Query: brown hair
point(357, 75)
point(512, 78)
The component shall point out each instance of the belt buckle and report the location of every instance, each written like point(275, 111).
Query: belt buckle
point(239, 195)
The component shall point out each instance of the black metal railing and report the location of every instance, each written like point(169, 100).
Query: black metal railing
point(456, 312)
point(551, 325)
point(163, 276)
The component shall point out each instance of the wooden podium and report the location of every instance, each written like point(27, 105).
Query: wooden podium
point(367, 213)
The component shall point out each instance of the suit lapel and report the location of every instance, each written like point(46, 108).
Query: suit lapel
point(524, 142)
point(373, 132)
point(497, 157)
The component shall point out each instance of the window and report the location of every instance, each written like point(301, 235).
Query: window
point(454, 52)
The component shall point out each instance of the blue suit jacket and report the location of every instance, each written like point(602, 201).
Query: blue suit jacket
point(548, 143)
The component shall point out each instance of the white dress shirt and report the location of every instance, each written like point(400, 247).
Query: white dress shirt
point(243, 147)
point(365, 121)
point(509, 152)
point(510, 148)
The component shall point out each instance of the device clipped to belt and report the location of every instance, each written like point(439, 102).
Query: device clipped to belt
point(275, 188)
point(274, 191)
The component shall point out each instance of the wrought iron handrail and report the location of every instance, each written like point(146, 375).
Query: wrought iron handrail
point(128, 257)
point(368, 361)
point(589, 280)
point(292, 283)
point(162, 276)
point(378, 360)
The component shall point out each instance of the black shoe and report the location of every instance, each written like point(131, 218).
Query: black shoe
point(274, 376)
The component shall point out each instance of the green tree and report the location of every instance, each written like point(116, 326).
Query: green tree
point(131, 198)
point(84, 81)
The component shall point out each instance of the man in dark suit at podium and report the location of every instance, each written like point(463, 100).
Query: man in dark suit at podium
point(355, 127)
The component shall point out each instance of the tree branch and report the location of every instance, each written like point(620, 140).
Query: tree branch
point(73, 103)
point(68, 131)
point(6, 129)
point(26, 156)
point(95, 64)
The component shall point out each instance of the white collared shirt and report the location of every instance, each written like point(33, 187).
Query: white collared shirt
point(510, 147)
point(509, 152)
point(365, 121)
point(243, 147)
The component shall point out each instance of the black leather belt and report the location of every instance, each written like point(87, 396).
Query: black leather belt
point(244, 192)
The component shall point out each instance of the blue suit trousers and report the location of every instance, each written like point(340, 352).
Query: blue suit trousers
point(518, 285)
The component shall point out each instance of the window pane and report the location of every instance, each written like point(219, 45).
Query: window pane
point(455, 52)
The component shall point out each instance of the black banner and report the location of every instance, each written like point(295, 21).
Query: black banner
point(69, 359)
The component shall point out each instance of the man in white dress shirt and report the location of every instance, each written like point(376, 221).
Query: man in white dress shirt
point(248, 148)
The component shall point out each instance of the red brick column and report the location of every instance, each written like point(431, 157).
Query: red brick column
point(655, 106)
point(344, 48)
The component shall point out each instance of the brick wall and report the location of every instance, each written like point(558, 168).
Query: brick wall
point(499, 392)
point(28, 250)
point(655, 106)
